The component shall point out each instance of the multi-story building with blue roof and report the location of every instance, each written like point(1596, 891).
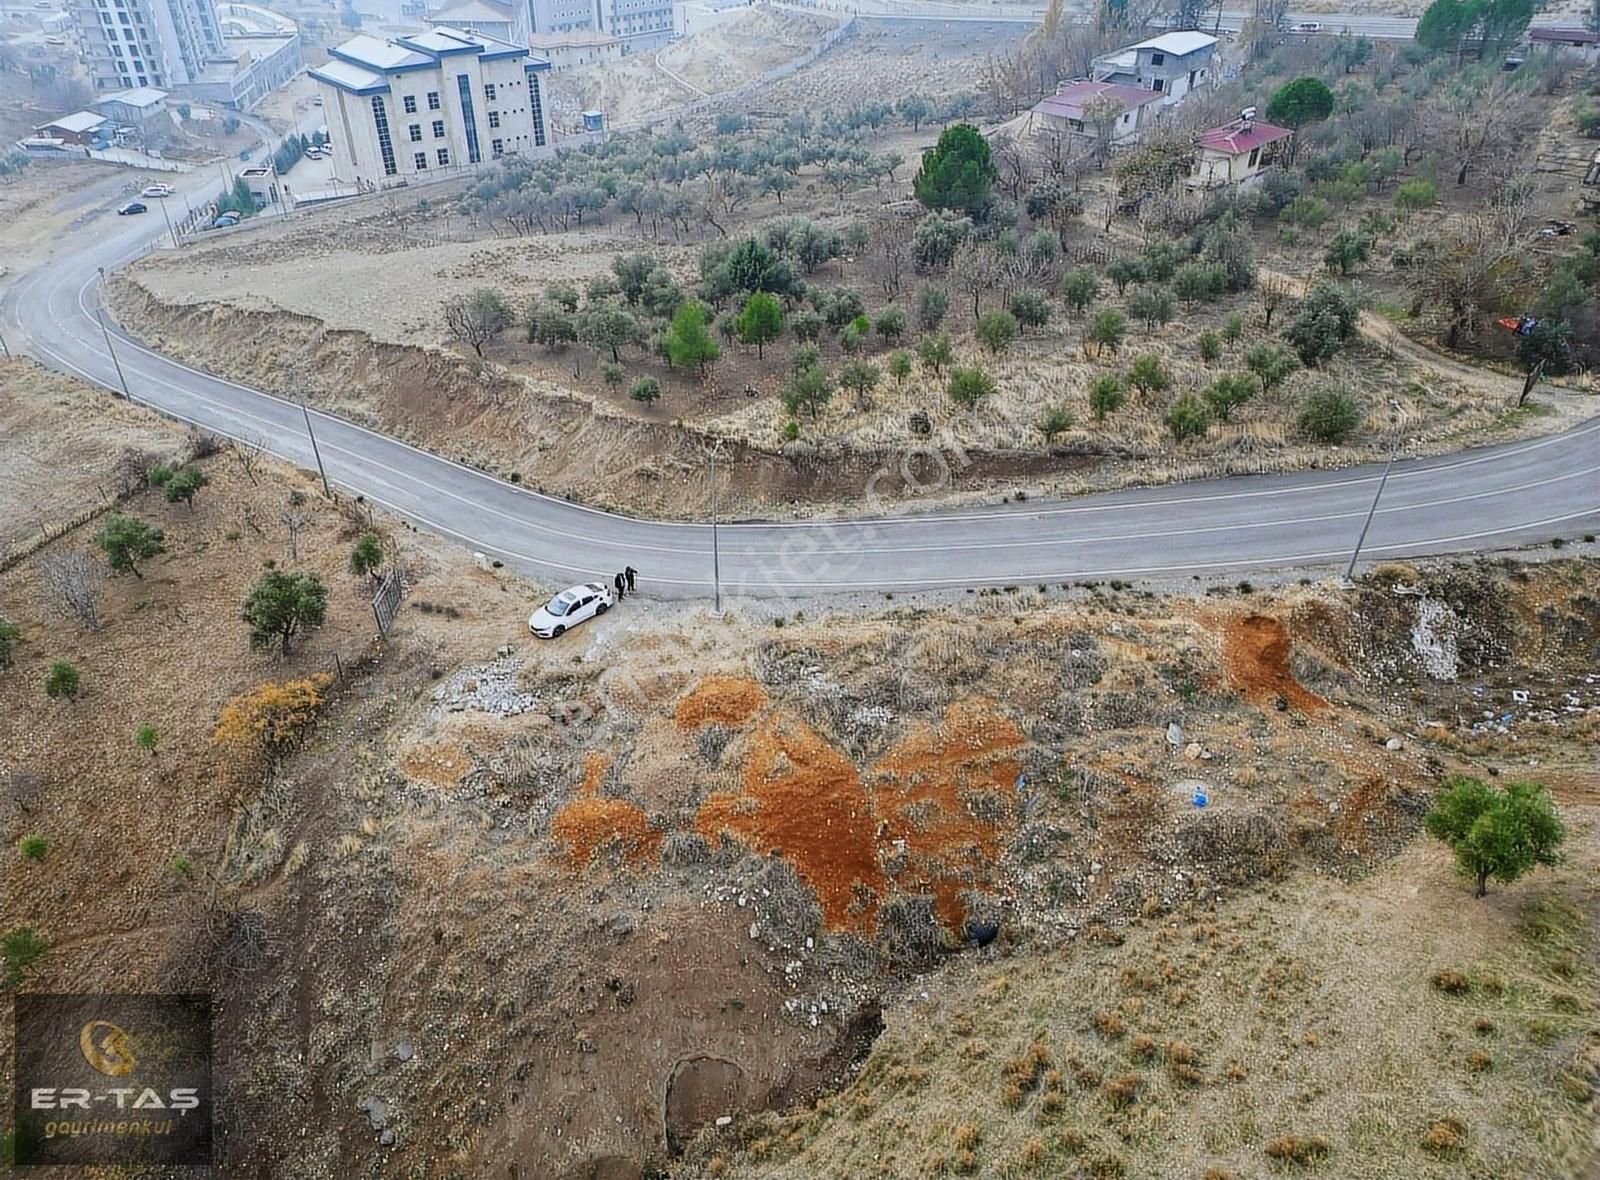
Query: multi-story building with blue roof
point(445, 100)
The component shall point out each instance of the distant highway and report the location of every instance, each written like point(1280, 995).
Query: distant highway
point(1361, 24)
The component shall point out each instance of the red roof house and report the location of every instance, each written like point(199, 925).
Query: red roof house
point(1237, 153)
point(1064, 111)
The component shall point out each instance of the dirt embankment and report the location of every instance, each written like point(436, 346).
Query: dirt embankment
point(538, 436)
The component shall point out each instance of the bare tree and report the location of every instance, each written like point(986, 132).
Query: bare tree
point(1479, 260)
point(132, 470)
point(70, 584)
point(1273, 290)
point(976, 268)
point(1482, 125)
point(248, 453)
point(294, 520)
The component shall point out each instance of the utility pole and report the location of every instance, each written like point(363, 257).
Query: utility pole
point(1394, 449)
point(716, 552)
point(168, 219)
point(99, 315)
point(321, 470)
point(3, 347)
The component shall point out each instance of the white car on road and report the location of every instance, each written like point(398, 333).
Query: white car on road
point(574, 605)
point(156, 190)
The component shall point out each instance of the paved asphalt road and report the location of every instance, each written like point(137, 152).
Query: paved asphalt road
point(1484, 499)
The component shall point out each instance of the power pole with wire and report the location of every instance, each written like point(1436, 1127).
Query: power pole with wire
point(105, 332)
point(312, 434)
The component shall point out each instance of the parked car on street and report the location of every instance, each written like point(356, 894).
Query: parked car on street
point(1306, 26)
point(156, 190)
point(132, 207)
point(224, 220)
point(574, 605)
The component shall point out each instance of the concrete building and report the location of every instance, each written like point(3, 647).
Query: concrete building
point(224, 53)
point(1576, 42)
point(504, 20)
point(133, 43)
point(262, 51)
point(1172, 64)
point(134, 107)
point(440, 101)
point(645, 21)
point(1075, 109)
point(81, 127)
point(581, 47)
point(1236, 154)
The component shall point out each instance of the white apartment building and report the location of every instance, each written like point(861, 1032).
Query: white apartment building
point(443, 100)
point(161, 43)
point(646, 19)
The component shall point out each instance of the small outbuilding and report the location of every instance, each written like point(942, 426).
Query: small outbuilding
point(136, 107)
point(80, 127)
point(1235, 154)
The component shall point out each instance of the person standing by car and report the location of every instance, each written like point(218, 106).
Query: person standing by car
point(629, 573)
point(619, 582)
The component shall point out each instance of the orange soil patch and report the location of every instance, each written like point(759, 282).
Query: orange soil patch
point(588, 823)
point(806, 800)
point(809, 805)
point(720, 700)
point(594, 772)
point(585, 826)
point(439, 763)
point(1256, 651)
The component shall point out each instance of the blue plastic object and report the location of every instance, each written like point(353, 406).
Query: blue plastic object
point(1200, 799)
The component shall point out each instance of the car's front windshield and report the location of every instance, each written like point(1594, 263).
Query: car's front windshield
point(559, 605)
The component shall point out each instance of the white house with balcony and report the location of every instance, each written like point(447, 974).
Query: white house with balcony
point(1172, 65)
point(447, 100)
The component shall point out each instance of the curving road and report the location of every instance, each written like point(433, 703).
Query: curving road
point(1490, 498)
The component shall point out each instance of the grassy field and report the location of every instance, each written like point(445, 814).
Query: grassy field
point(1387, 1027)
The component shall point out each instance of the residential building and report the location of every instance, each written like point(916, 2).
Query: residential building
point(644, 22)
point(1581, 43)
point(581, 47)
point(262, 52)
point(440, 101)
point(224, 53)
point(134, 107)
point(1172, 64)
point(80, 127)
point(1083, 107)
point(133, 43)
point(1236, 154)
point(504, 20)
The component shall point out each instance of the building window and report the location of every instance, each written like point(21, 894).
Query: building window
point(433, 100)
point(1255, 158)
point(415, 131)
point(380, 121)
point(497, 147)
point(438, 128)
point(494, 118)
point(410, 101)
point(464, 86)
point(1158, 59)
point(444, 157)
point(537, 110)
point(488, 91)
point(420, 161)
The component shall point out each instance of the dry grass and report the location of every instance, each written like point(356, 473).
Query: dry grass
point(1322, 987)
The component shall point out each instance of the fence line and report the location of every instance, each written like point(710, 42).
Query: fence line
point(10, 558)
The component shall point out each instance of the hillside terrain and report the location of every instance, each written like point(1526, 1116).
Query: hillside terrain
point(569, 906)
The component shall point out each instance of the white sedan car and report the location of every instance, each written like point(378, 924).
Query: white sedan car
point(574, 605)
point(157, 190)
